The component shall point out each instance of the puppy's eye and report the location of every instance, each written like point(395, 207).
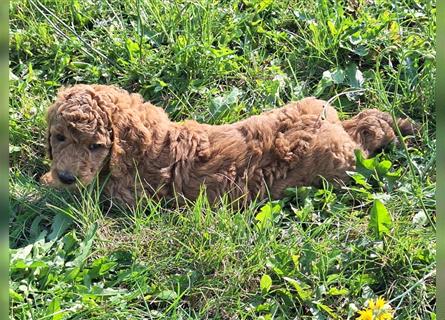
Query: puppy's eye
point(60, 137)
point(94, 146)
point(367, 133)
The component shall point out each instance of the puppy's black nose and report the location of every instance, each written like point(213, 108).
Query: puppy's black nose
point(66, 177)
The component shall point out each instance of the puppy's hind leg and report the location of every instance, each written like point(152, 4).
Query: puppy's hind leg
point(313, 106)
point(293, 145)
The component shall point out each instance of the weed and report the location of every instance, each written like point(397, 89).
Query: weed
point(318, 253)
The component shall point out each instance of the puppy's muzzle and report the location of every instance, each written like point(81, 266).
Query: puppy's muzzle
point(66, 177)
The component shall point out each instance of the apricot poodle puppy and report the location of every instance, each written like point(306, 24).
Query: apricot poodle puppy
point(133, 147)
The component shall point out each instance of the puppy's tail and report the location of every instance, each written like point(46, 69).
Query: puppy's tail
point(407, 127)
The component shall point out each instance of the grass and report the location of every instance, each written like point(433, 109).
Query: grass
point(315, 254)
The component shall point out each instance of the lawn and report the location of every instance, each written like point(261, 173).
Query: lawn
point(316, 253)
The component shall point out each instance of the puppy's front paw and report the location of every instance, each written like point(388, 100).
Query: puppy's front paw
point(48, 180)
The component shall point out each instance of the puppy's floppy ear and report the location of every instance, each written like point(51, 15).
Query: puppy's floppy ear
point(50, 119)
point(50, 115)
point(123, 131)
point(115, 126)
point(366, 135)
point(48, 146)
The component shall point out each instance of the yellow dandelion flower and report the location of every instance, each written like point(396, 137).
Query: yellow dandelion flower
point(377, 309)
point(380, 303)
point(371, 304)
point(385, 316)
point(365, 314)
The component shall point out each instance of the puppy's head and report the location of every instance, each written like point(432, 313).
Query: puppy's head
point(79, 137)
point(374, 130)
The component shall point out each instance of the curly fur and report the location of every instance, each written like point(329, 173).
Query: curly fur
point(106, 131)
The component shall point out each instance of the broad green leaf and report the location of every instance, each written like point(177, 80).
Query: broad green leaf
point(15, 296)
point(395, 175)
point(264, 307)
point(220, 104)
point(267, 215)
point(21, 253)
point(380, 219)
point(53, 310)
point(85, 246)
point(264, 4)
point(383, 167)
point(354, 76)
point(325, 82)
point(302, 293)
point(72, 274)
point(265, 283)
point(355, 38)
point(296, 260)
point(37, 264)
point(18, 264)
point(100, 266)
point(363, 165)
point(35, 228)
point(332, 28)
point(337, 292)
point(327, 309)
point(167, 295)
point(221, 52)
point(394, 30)
point(308, 255)
point(386, 16)
point(132, 47)
point(274, 268)
point(60, 223)
point(70, 241)
point(285, 293)
point(359, 179)
point(338, 76)
point(360, 50)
